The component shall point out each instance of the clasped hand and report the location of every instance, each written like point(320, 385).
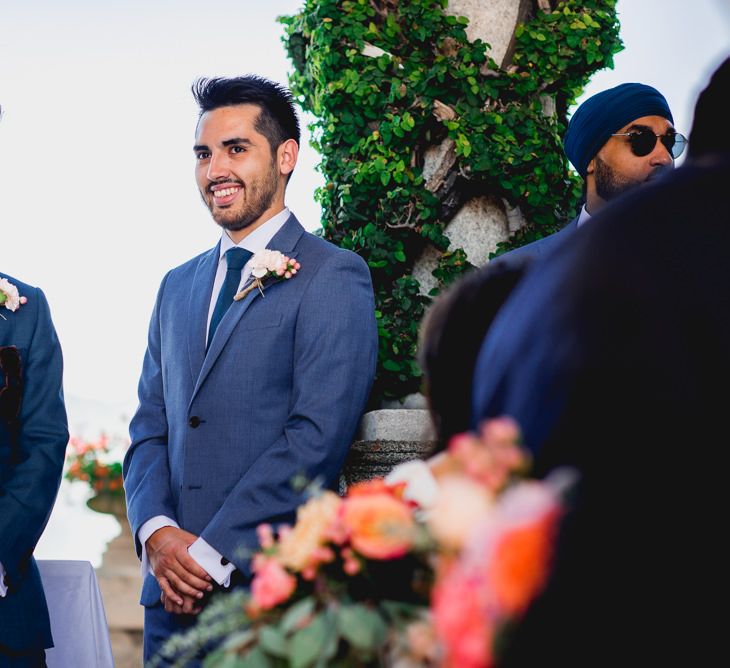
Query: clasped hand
point(182, 580)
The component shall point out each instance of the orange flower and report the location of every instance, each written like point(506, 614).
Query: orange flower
point(521, 563)
point(380, 526)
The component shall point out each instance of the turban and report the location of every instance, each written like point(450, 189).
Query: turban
point(605, 113)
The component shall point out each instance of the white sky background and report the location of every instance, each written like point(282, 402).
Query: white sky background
point(97, 195)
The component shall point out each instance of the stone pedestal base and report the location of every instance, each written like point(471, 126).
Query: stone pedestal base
point(120, 583)
point(386, 438)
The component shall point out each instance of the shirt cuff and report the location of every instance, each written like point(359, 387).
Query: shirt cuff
point(145, 531)
point(3, 588)
point(217, 566)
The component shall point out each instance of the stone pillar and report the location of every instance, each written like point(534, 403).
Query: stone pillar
point(481, 222)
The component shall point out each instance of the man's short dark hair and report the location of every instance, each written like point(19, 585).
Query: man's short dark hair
point(278, 119)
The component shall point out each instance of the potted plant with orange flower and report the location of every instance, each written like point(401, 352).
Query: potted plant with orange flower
point(98, 464)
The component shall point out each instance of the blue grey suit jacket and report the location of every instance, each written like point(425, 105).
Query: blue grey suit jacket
point(31, 460)
point(537, 249)
point(218, 437)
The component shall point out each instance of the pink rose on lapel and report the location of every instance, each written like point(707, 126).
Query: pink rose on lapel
point(269, 264)
point(9, 297)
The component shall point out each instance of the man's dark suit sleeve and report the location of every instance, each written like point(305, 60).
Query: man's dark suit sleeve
point(27, 496)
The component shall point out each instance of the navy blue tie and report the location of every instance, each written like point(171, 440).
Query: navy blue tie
point(236, 258)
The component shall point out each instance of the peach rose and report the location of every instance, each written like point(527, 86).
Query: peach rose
point(299, 547)
point(461, 504)
point(380, 525)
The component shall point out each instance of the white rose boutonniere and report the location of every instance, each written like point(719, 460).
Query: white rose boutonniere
point(268, 265)
point(9, 297)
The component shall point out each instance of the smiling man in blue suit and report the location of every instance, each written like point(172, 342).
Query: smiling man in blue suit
point(240, 396)
point(33, 438)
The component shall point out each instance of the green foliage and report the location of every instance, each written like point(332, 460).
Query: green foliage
point(375, 118)
point(332, 624)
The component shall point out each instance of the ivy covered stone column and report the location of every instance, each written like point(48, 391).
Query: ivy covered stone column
point(440, 138)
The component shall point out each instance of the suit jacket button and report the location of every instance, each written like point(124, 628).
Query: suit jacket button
point(194, 421)
point(224, 561)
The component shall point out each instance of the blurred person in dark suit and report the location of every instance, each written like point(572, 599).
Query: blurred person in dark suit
point(613, 356)
point(449, 340)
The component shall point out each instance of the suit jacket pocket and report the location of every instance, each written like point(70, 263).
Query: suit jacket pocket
point(251, 321)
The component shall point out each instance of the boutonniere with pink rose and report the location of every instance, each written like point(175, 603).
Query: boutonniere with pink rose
point(9, 296)
point(266, 266)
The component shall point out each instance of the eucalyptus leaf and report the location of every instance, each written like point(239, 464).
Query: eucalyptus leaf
point(308, 643)
point(297, 614)
point(361, 626)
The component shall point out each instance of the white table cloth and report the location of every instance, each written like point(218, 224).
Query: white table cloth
point(78, 621)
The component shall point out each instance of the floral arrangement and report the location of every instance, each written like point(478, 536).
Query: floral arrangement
point(378, 577)
point(268, 264)
point(9, 296)
point(95, 463)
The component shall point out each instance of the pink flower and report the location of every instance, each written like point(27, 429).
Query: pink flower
point(271, 584)
point(459, 615)
point(265, 535)
point(492, 456)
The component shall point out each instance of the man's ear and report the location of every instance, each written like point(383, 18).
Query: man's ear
point(287, 155)
point(591, 166)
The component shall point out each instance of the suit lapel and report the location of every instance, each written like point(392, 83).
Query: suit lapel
point(285, 240)
point(198, 305)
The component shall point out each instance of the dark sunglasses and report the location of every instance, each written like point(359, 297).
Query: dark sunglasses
point(11, 389)
point(642, 142)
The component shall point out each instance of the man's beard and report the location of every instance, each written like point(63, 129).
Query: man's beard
point(609, 184)
point(258, 196)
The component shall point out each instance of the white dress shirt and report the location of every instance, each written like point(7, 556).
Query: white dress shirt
point(584, 216)
point(3, 588)
point(209, 558)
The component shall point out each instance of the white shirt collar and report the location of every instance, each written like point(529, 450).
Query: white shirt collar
point(257, 240)
point(584, 216)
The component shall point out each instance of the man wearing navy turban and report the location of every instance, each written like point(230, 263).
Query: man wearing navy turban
point(616, 140)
